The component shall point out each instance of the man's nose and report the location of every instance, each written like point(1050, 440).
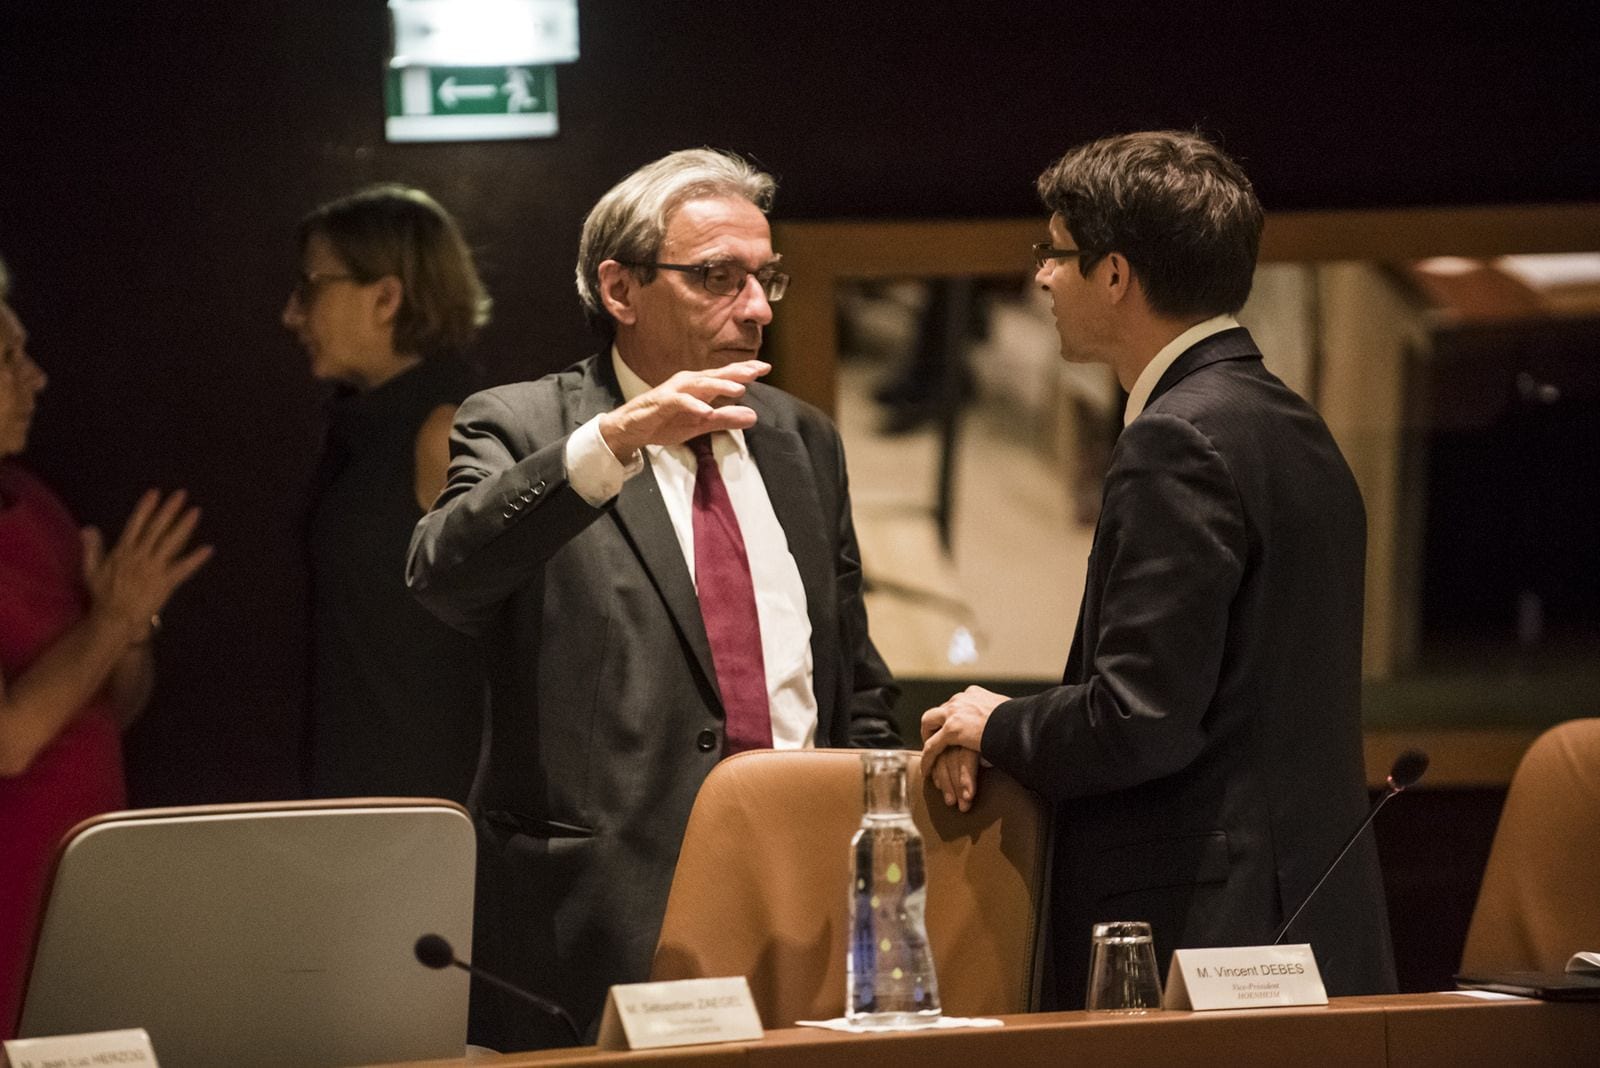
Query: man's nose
point(754, 307)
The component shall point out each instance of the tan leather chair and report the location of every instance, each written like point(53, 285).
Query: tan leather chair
point(1540, 899)
point(762, 886)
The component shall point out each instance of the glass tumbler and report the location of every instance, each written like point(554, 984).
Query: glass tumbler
point(1122, 969)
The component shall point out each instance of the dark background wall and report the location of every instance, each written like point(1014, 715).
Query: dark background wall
point(154, 158)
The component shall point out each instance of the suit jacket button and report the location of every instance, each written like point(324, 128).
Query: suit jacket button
point(706, 741)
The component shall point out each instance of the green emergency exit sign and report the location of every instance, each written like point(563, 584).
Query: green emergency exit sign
point(470, 103)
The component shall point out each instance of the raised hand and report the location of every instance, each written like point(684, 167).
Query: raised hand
point(688, 404)
point(129, 584)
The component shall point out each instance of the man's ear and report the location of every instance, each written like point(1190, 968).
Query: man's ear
point(389, 294)
point(618, 286)
point(1119, 278)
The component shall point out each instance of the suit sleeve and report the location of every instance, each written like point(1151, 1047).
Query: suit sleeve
point(1168, 560)
point(873, 692)
point(506, 508)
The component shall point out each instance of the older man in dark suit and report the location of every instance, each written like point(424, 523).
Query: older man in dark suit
point(1204, 747)
point(658, 552)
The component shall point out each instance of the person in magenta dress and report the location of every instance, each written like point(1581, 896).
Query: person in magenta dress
point(76, 619)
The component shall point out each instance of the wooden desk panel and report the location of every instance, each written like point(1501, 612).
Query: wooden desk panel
point(1451, 1031)
point(1458, 758)
point(1402, 1031)
point(732, 1053)
point(1337, 1037)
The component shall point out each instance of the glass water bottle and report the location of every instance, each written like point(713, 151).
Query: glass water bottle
point(889, 979)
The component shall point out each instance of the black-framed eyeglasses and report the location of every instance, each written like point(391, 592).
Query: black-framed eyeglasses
point(1044, 252)
point(308, 284)
point(726, 279)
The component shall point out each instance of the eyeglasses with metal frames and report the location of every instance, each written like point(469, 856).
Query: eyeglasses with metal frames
point(725, 278)
point(1044, 252)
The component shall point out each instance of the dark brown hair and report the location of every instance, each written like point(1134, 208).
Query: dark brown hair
point(1182, 213)
point(395, 230)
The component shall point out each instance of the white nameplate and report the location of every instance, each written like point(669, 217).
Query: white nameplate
point(681, 1013)
point(111, 1049)
point(1244, 977)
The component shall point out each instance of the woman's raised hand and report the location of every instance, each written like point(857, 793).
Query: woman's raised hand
point(129, 584)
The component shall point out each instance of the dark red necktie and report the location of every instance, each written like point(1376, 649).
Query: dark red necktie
point(728, 607)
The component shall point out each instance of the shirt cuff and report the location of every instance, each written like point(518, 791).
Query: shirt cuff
point(592, 471)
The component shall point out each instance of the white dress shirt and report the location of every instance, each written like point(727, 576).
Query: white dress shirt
point(597, 476)
point(1139, 395)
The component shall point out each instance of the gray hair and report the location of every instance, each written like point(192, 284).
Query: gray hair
point(630, 222)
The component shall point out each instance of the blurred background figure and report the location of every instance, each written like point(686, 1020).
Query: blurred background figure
point(386, 303)
point(76, 622)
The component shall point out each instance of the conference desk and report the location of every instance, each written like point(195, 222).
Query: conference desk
point(1403, 1030)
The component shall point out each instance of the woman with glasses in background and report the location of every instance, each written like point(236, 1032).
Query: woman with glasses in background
point(387, 301)
point(76, 622)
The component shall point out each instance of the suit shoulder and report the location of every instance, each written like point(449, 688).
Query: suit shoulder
point(792, 411)
point(1226, 396)
point(1162, 435)
point(535, 395)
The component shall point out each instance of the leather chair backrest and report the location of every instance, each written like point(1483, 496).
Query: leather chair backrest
point(763, 882)
point(1540, 899)
point(259, 935)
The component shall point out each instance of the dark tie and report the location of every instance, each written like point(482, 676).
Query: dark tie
point(728, 607)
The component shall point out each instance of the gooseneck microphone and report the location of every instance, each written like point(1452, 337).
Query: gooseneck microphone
point(1403, 774)
point(435, 951)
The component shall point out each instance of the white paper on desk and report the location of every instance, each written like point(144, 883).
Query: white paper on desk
point(1244, 977)
point(1585, 963)
point(128, 1046)
point(943, 1023)
point(679, 1012)
point(1487, 995)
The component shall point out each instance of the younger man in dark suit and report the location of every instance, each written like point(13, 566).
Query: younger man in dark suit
point(658, 552)
point(1204, 747)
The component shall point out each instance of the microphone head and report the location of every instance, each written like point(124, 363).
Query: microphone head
point(1408, 768)
point(434, 951)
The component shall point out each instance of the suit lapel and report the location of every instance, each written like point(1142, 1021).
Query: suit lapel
point(791, 487)
point(642, 518)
